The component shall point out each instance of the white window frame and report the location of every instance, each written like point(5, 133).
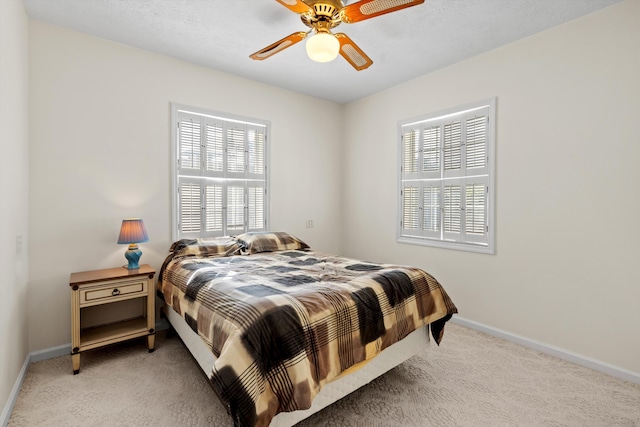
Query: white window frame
point(248, 179)
point(429, 175)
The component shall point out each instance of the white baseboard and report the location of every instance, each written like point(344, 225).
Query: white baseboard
point(37, 356)
point(49, 353)
point(13, 396)
point(596, 365)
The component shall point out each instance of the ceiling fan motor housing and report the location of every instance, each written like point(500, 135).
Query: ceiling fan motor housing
point(325, 14)
point(325, 7)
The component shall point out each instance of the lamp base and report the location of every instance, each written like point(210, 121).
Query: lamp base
point(132, 255)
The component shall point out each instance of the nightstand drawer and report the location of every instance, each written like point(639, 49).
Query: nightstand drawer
point(103, 294)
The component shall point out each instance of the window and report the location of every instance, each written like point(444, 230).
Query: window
point(447, 178)
point(219, 174)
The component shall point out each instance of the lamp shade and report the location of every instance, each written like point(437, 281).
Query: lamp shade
point(132, 231)
point(323, 47)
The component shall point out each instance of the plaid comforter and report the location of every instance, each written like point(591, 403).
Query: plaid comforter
point(282, 324)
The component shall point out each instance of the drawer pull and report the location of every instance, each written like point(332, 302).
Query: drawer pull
point(115, 292)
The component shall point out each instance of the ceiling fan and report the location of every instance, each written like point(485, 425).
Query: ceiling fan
point(324, 15)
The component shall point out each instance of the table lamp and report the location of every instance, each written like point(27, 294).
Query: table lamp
point(132, 232)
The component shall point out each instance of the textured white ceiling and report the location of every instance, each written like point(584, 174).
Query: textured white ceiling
point(221, 34)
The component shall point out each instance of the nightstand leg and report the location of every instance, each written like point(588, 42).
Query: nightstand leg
point(75, 361)
point(151, 342)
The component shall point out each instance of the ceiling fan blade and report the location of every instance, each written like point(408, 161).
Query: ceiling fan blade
point(352, 53)
point(278, 46)
point(295, 5)
point(366, 9)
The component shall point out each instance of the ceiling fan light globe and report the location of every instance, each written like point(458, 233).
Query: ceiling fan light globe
point(323, 47)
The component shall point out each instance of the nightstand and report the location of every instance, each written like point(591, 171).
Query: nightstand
point(109, 286)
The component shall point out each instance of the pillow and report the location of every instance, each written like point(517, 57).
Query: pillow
point(253, 243)
point(177, 245)
point(206, 247)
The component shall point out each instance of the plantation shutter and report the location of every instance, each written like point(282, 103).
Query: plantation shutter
point(421, 202)
point(452, 221)
point(411, 210)
point(476, 142)
point(235, 209)
point(256, 143)
point(235, 151)
point(214, 148)
point(221, 179)
point(475, 210)
point(476, 203)
point(444, 182)
point(214, 203)
point(410, 192)
point(411, 153)
point(431, 211)
point(431, 149)
point(452, 156)
point(190, 207)
point(190, 146)
point(256, 193)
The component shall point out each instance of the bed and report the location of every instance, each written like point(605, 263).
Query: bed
point(281, 331)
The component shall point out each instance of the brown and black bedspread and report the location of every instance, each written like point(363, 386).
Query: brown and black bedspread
point(282, 324)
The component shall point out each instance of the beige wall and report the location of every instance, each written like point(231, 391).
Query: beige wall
point(14, 186)
point(568, 103)
point(100, 146)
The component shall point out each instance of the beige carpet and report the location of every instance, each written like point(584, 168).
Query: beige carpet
point(472, 379)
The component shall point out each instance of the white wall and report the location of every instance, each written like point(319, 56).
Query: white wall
point(100, 146)
point(14, 166)
point(568, 103)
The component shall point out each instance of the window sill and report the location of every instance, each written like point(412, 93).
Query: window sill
point(467, 247)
